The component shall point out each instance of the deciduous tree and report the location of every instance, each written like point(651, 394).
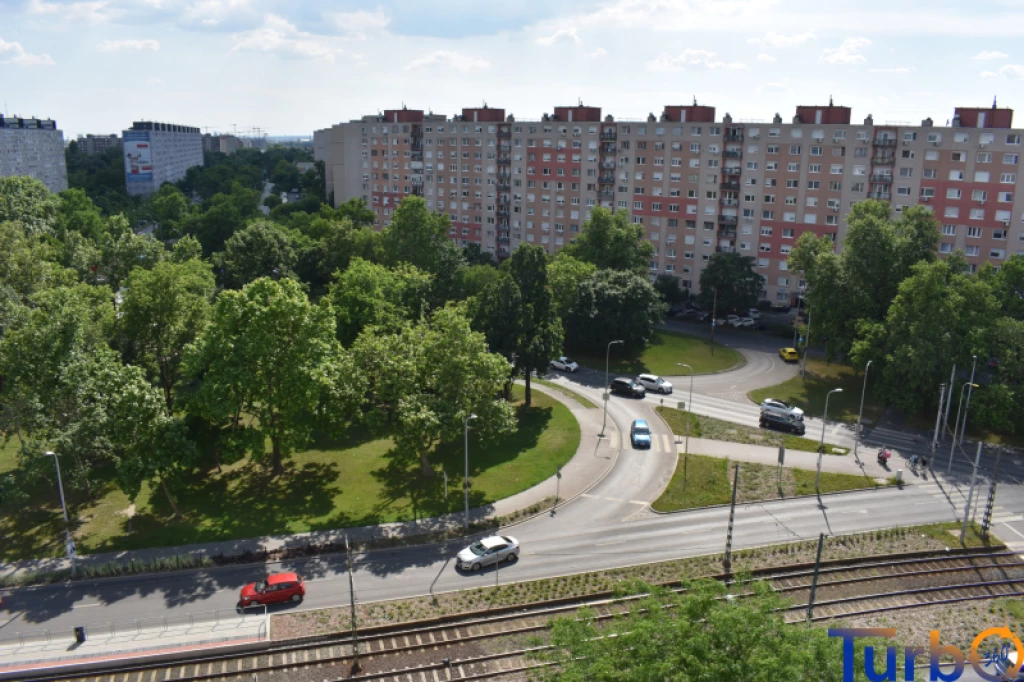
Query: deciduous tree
point(367, 294)
point(733, 278)
point(610, 305)
point(609, 240)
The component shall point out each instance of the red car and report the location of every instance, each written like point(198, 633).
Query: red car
point(276, 588)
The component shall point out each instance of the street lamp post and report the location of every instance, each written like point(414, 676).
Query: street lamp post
point(807, 344)
point(799, 300)
point(607, 357)
point(465, 481)
point(68, 542)
point(860, 413)
point(949, 464)
point(821, 446)
point(689, 408)
point(967, 407)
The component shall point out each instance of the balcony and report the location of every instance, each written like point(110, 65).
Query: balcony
point(417, 190)
point(733, 153)
point(417, 131)
point(733, 136)
point(504, 187)
point(725, 249)
point(503, 211)
point(606, 194)
point(417, 156)
point(504, 160)
point(880, 177)
point(732, 170)
point(608, 165)
point(729, 202)
point(885, 143)
point(608, 135)
point(883, 160)
point(882, 196)
point(504, 174)
point(608, 149)
point(727, 233)
point(730, 185)
point(727, 220)
point(607, 179)
point(504, 133)
point(503, 240)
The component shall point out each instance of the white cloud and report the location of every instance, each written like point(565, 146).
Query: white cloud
point(562, 35)
point(985, 55)
point(894, 69)
point(154, 81)
point(988, 74)
point(773, 39)
point(118, 45)
point(1012, 71)
point(445, 59)
point(91, 12)
point(598, 53)
point(847, 53)
point(213, 12)
point(704, 58)
point(361, 23)
point(277, 35)
point(765, 58)
point(14, 53)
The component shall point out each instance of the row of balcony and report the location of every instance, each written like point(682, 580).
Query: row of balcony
point(504, 187)
point(504, 132)
point(735, 136)
point(730, 185)
point(889, 142)
point(727, 219)
point(606, 179)
point(733, 153)
point(608, 135)
point(504, 160)
point(725, 249)
point(729, 202)
point(883, 160)
point(732, 170)
point(881, 177)
point(884, 196)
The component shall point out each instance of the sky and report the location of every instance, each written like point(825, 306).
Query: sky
point(289, 67)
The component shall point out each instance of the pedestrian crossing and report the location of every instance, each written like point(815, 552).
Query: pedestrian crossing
point(660, 442)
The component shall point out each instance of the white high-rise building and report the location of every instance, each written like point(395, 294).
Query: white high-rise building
point(155, 153)
point(33, 147)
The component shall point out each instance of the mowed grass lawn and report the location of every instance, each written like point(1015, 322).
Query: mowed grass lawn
point(708, 481)
point(822, 378)
point(661, 355)
point(719, 429)
point(350, 482)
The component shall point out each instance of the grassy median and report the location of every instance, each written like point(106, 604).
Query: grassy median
point(661, 355)
point(719, 429)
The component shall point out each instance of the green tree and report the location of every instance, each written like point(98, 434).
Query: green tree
point(696, 635)
point(163, 311)
point(123, 251)
point(670, 289)
point(77, 213)
point(26, 200)
point(371, 295)
point(733, 277)
point(474, 255)
point(422, 382)
point(610, 305)
point(218, 222)
point(498, 312)
point(472, 280)
point(355, 210)
point(609, 240)
point(419, 237)
point(28, 264)
point(1008, 286)
point(170, 208)
point(540, 329)
point(267, 360)
point(261, 249)
point(565, 274)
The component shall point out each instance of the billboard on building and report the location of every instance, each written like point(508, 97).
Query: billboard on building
point(138, 156)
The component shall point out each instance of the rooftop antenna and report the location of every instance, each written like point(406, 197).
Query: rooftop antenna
point(993, 101)
point(830, 100)
point(695, 100)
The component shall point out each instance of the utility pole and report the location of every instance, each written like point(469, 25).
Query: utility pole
point(714, 321)
point(807, 344)
point(970, 495)
point(727, 562)
point(814, 579)
point(352, 602)
point(860, 413)
point(949, 400)
point(970, 390)
point(986, 520)
point(938, 417)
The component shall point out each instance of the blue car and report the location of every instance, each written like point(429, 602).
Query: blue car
point(640, 434)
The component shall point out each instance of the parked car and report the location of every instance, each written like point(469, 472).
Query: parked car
point(733, 320)
point(654, 383)
point(564, 364)
point(754, 313)
point(789, 354)
point(628, 387)
point(779, 407)
point(780, 422)
point(676, 308)
point(747, 323)
point(490, 550)
point(640, 434)
point(689, 314)
point(274, 589)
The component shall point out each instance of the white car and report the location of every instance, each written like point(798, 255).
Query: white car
point(654, 383)
point(733, 320)
point(746, 322)
point(754, 314)
point(564, 364)
point(779, 407)
point(490, 550)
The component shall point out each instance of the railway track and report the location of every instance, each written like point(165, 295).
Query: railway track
point(503, 646)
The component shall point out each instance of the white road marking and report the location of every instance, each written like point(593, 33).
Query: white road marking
point(1014, 529)
point(86, 606)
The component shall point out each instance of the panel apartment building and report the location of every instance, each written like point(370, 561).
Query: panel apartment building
point(155, 153)
point(33, 147)
point(97, 144)
point(697, 185)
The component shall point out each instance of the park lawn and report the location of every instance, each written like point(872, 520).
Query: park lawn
point(555, 386)
point(335, 484)
point(719, 429)
point(822, 378)
point(661, 355)
point(708, 481)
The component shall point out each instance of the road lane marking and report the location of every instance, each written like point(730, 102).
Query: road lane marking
point(86, 606)
point(1014, 529)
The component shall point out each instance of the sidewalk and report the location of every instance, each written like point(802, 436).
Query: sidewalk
point(593, 459)
point(798, 459)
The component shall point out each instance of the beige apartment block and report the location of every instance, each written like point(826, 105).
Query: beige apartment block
point(33, 147)
point(697, 185)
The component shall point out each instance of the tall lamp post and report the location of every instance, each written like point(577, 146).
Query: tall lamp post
point(799, 300)
point(807, 344)
point(607, 357)
point(69, 544)
point(465, 481)
point(860, 413)
point(821, 446)
point(689, 408)
point(949, 464)
point(967, 407)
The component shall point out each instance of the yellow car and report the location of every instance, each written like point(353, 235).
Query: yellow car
point(789, 354)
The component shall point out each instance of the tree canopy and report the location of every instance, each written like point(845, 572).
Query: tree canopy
point(609, 240)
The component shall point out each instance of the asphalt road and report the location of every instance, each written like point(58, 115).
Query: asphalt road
point(608, 527)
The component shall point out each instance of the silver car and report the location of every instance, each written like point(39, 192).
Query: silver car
point(490, 550)
point(785, 409)
point(654, 383)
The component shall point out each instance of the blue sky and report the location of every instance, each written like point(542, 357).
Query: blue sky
point(290, 67)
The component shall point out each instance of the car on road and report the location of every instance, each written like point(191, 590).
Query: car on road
point(628, 387)
point(654, 383)
point(754, 313)
point(733, 320)
point(779, 407)
point(640, 434)
point(489, 550)
point(564, 364)
point(780, 422)
point(689, 314)
point(274, 589)
point(789, 354)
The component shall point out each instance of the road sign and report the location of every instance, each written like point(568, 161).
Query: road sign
point(782, 454)
point(69, 547)
point(605, 396)
point(559, 472)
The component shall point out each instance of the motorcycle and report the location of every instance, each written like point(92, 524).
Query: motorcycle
point(883, 457)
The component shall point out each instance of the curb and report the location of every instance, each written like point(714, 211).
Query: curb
point(787, 499)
